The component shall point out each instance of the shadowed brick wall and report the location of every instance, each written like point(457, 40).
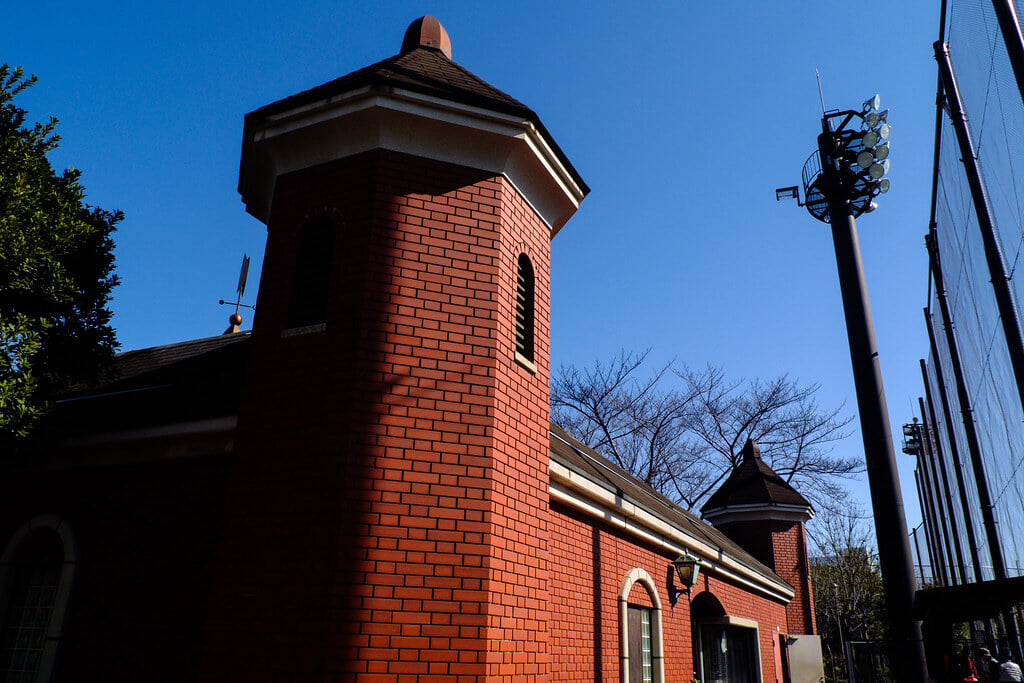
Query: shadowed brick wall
point(146, 535)
point(388, 508)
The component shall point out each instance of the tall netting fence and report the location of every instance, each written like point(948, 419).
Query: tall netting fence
point(923, 571)
point(995, 115)
point(959, 520)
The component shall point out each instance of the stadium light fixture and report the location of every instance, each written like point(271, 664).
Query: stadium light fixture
point(840, 181)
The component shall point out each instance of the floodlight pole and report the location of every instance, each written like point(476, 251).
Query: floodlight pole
point(894, 557)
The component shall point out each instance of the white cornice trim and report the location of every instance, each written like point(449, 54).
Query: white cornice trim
point(178, 429)
point(421, 125)
point(199, 438)
point(728, 621)
point(746, 513)
point(581, 493)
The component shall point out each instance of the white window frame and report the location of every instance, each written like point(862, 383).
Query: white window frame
point(640, 576)
point(62, 600)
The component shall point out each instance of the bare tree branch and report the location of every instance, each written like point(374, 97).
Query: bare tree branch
point(684, 436)
point(847, 584)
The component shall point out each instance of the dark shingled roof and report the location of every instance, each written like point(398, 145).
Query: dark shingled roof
point(583, 460)
point(423, 70)
point(134, 368)
point(191, 380)
point(753, 483)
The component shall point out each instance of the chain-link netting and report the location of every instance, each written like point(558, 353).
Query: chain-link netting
point(957, 522)
point(994, 108)
point(933, 531)
point(935, 474)
point(960, 520)
point(923, 571)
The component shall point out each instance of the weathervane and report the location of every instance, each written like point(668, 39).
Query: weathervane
point(235, 320)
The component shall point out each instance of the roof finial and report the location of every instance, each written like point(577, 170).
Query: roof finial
point(750, 450)
point(234, 324)
point(427, 32)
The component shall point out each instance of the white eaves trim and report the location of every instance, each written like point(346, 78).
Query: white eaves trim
point(744, 513)
point(404, 121)
point(180, 440)
point(574, 490)
point(176, 430)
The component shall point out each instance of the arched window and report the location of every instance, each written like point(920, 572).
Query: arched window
point(524, 308)
point(37, 569)
point(642, 654)
point(313, 272)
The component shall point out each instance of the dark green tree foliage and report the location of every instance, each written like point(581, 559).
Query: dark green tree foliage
point(56, 270)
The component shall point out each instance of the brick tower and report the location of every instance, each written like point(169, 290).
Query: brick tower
point(388, 505)
point(765, 515)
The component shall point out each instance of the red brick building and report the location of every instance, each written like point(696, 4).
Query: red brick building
point(367, 486)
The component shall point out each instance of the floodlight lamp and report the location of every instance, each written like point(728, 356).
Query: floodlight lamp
point(883, 131)
point(874, 118)
point(882, 151)
point(865, 158)
point(873, 103)
point(883, 185)
point(878, 169)
point(870, 139)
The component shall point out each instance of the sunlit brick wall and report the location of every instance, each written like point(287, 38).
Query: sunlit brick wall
point(589, 561)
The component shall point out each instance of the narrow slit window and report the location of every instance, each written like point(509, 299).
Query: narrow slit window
point(524, 308)
point(313, 273)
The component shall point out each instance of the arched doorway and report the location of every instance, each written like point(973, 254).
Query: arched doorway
point(725, 648)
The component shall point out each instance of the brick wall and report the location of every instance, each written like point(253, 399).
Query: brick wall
point(518, 618)
point(145, 536)
point(782, 546)
point(589, 561)
point(790, 542)
point(388, 508)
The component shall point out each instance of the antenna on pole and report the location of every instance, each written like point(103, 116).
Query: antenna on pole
point(820, 95)
point(235, 320)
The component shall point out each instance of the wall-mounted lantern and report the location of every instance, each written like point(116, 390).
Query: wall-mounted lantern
point(687, 569)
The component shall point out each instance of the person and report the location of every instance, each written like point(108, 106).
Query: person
point(1008, 669)
point(988, 667)
point(963, 667)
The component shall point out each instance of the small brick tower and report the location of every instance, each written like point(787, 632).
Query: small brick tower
point(388, 505)
point(765, 515)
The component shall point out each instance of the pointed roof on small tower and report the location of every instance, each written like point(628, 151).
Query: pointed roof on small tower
point(423, 65)
point(755, 491)
point(419, 102)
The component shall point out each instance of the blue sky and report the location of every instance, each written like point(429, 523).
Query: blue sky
point(683, 118)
